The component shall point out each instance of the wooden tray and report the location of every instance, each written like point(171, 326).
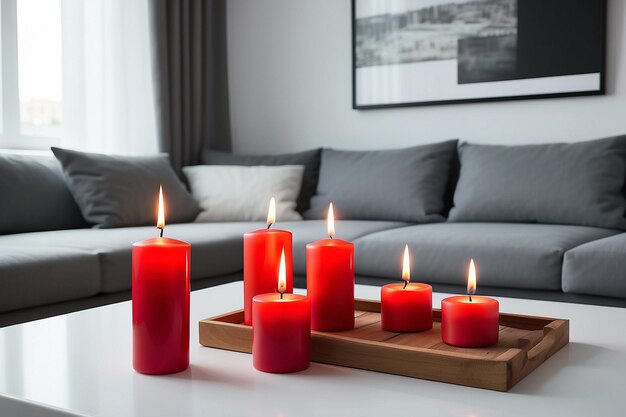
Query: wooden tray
point(525, 343)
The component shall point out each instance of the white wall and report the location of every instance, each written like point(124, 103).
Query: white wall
point(290, 86)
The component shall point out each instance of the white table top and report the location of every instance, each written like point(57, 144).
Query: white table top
point(81, 363)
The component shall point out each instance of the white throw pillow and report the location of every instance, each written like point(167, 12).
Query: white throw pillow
point(242, 193)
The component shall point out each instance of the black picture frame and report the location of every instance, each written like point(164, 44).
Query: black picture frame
point(525, 10)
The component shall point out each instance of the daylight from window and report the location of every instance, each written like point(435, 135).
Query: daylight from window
point(39, 66)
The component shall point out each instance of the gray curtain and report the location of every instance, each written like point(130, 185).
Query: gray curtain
point(189, 50)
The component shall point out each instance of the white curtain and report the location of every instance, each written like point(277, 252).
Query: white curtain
point(108, 93)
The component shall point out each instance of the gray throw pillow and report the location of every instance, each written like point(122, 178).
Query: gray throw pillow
point(310, 160)
point(119, 191)
point(34, 196)
point(562, 183)
point(400, 184)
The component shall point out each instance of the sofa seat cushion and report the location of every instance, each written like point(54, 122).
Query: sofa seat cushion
point(313, 230)
point(216, 248)
point(506, 255)
point(597, 268)
point(35, 274)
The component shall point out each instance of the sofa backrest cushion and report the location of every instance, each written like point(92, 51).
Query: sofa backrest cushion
point(400, 185)
point(561, 183)
point(34, 196)
point(242, 193)
point(310, 160)
point(119, 191)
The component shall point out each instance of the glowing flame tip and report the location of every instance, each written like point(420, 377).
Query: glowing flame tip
point(282, 274)
point(271, 212)
point(161, 215)
point(406, 265)
point(471, 278)
point(331, 221)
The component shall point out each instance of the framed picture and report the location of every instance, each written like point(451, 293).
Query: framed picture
point(424, 52)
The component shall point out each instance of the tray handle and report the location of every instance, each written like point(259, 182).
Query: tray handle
point(556, 334)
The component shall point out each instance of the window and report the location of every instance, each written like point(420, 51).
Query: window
point(31, 74)
point(39, 66)
point(77, 74)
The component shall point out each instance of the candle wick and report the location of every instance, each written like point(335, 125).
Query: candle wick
point(269, 225)
point(330, 236)
point(161, 232)
point(405, 284)
point(281, 295)
point(470, 297)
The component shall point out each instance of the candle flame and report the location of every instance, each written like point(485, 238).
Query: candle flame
point(331, 221)
point(406, 265)
point(271, 213)
point(161, 215)
point(471, 278)
point(282, 274)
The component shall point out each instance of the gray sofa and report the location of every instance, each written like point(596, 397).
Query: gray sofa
point(54, 271)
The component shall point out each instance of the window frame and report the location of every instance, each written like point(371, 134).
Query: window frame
point(11, 136)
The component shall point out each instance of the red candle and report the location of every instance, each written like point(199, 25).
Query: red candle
point(406, 307)
point(330, 281)
point(160, 294)
point(468, 321)
point(261, 255)
point(281, 334)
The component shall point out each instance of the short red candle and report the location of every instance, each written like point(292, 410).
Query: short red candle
point(261, 256)
point(160, 294)
point(281, 332)
point(406, 307)
point(469, 324)
point(470, 321)
point(330, 282)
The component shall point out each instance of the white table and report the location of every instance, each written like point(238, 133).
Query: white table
point(80, 363)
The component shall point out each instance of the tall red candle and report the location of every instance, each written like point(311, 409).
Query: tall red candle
point(160, 294)
point(330, 281)
point(470, 321)
point(406, 307)
point(261, 257)
point(282, 330)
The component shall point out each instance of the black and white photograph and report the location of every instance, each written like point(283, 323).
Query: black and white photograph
point(409, 52)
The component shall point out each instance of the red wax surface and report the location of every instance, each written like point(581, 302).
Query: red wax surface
point(407, 309)
point(281, 334)
point(330, 284)
point(469, 324)
point(261, 260)
point(161, 305)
